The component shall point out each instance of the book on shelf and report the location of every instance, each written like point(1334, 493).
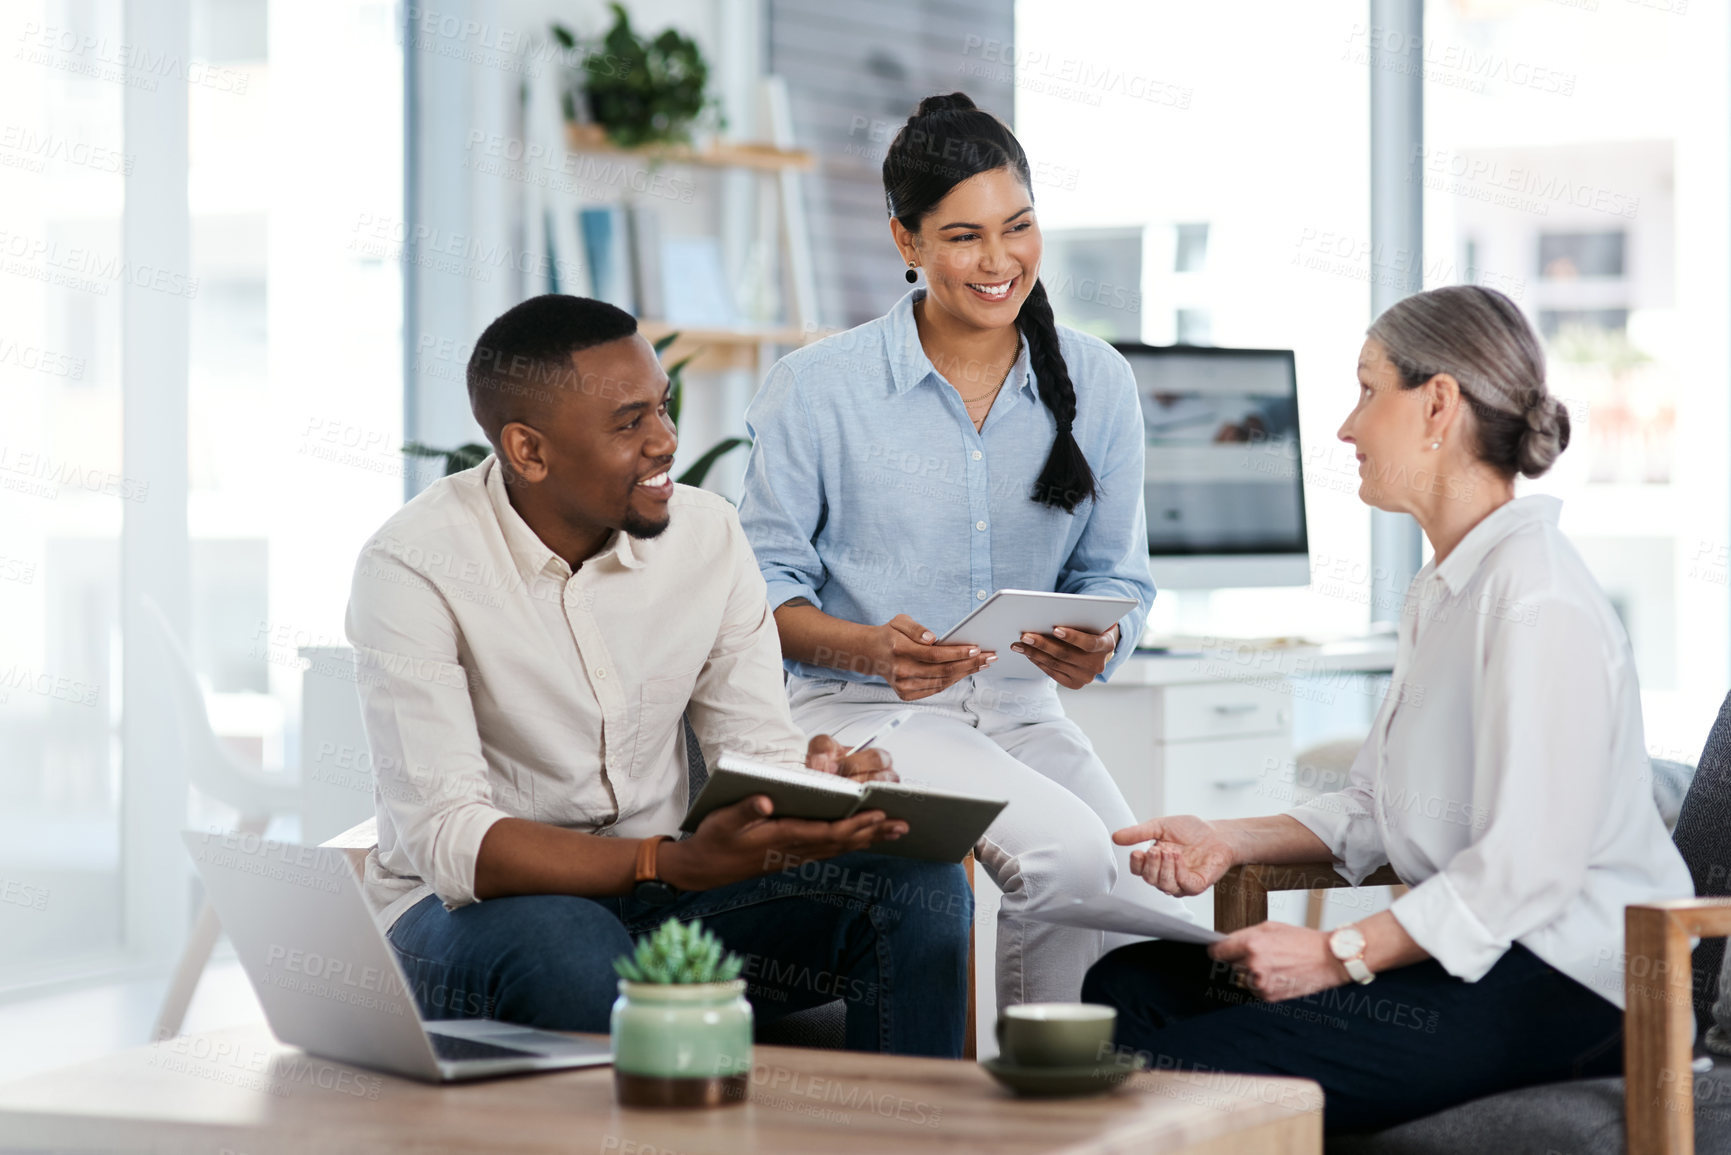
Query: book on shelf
point(645, 230)
point(607, 250)
point(694, 283)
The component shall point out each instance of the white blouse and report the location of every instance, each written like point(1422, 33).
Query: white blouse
point(1506, 777)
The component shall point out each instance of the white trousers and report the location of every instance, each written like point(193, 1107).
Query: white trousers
point(1008, 739)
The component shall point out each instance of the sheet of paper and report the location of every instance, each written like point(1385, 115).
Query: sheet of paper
point(1112, 913)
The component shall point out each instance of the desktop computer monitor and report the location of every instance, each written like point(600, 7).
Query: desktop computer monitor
point(1224, 489)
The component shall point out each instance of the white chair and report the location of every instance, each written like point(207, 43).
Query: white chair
point(357, 843)
point(213, 769)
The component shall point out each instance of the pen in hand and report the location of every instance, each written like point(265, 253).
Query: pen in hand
point(882, 731)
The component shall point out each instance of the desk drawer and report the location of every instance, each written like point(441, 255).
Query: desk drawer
point(1237, 778)
point(1223, 710)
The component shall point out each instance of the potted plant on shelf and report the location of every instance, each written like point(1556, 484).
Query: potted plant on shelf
point(681, 1026)
point(470, 455)
point(640, 91)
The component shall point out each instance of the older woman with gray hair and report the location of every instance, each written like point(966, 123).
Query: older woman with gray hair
point(1505, 780)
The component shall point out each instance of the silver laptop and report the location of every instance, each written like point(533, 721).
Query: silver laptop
point(330, 982)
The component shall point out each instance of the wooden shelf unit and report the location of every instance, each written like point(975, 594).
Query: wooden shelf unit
point(729, 348)
point(748, 345)
point(590, 138)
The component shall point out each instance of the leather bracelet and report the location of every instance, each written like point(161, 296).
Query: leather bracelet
point(646, 856)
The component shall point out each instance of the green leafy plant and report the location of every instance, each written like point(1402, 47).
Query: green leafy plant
point(641, 91)
point(699, 469)
point(456, 460)
point(470, 455)
point(679, 952)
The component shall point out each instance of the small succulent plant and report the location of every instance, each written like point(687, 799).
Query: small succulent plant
point(678, 952)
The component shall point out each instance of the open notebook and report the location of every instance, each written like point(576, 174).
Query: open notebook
point(942, 826)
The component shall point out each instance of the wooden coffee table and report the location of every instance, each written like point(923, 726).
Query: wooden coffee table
point(241, 1091)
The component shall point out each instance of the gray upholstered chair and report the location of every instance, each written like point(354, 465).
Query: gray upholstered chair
point(1644, 1113)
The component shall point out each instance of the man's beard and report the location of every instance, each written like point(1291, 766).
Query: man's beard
point(643, 529)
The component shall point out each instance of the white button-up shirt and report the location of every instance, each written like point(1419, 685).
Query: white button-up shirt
point(495, 682)
point(1506, 777)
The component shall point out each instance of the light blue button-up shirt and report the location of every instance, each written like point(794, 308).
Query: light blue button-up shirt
point(870, 493)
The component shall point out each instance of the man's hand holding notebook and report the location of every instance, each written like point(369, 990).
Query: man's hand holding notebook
point(942, 826)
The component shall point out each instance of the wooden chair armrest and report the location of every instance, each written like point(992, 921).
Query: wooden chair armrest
point(1699, 917)
point(1241, 895)
point(1659, 1019)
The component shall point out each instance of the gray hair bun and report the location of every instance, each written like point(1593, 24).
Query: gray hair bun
point(1482, 339)
point(1546, 436)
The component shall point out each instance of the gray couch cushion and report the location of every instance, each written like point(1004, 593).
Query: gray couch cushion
point(1584, 1117)
point(1670, 786)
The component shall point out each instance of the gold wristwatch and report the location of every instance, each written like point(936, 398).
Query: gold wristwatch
point(1347, 945)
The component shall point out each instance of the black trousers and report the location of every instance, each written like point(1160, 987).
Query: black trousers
point(1413, 1042)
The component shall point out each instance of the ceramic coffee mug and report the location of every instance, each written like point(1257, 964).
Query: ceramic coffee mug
point(1056, 1034)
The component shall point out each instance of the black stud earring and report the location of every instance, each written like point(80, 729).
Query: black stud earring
point(911, 275)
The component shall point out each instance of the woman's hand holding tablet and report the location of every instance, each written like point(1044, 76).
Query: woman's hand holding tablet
point(1020, 621)
point(1069, 656)
point(905, 656)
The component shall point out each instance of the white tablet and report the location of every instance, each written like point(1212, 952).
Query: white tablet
point(1003, 618)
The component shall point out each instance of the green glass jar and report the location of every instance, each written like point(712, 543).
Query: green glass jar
point(681, 1044)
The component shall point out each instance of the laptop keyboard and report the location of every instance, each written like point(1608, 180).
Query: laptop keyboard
point(453, 1048)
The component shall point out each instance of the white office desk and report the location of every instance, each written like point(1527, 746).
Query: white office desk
point(1248, 662)
point(336, 767)
point(1212, 735)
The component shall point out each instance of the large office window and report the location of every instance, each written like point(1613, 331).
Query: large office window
point(1213, 159)
point(63, 490)
point(292, 396)
point(295, 403)
point(1575, 157)
point(1201, 173)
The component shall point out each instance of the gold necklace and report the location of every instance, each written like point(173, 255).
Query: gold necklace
point(993, 391)
point(984, 398)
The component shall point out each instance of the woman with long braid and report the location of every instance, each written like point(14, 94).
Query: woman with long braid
point(904, 470)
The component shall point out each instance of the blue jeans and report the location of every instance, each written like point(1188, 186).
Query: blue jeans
point(887, 935)
point(1415, 1041)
